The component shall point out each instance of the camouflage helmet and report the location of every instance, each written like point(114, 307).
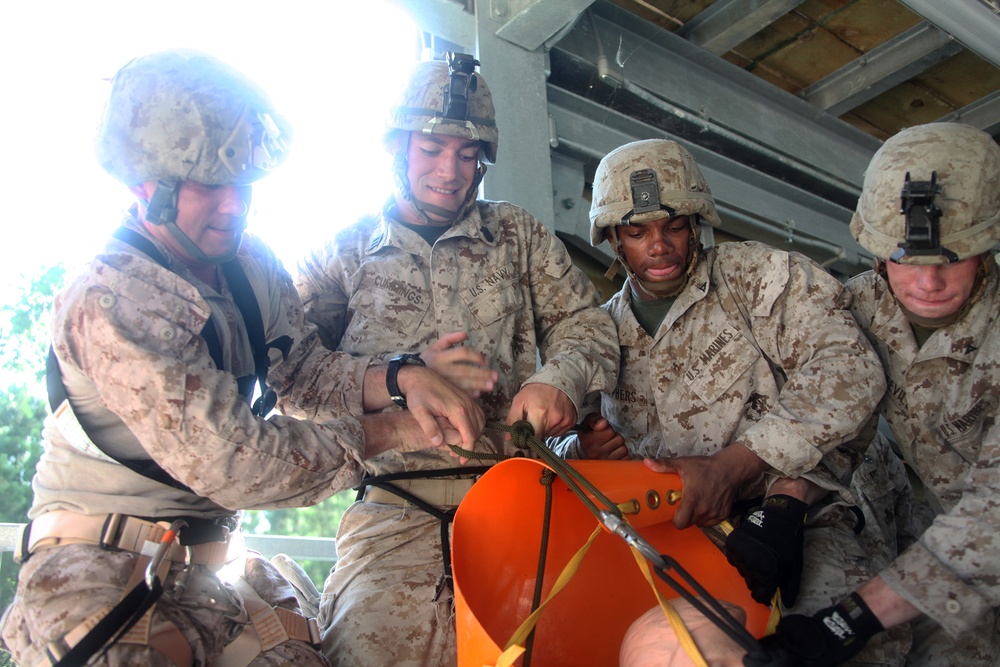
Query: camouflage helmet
point(643, 179)
point(183, 115)
point(931, 196)
point(447, 98)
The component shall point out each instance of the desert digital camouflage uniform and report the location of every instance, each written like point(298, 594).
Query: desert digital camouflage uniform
point(882, 490)
point(760, 348)
point(128, 350)
point(379, 289)
point(942, 404)
point(127, 337)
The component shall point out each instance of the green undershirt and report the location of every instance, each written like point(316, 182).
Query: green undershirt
point(650, 313)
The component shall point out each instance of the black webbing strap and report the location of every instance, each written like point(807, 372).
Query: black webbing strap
point(384, 482)
point(112, 627)
point(246, 302)
point(145, 467)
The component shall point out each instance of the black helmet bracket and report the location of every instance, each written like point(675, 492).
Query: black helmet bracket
point(923, 220)
point(645, 195)
point(462, 70)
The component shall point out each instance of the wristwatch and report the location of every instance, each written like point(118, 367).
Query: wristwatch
point(395, 395)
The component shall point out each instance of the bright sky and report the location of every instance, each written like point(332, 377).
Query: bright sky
point(330, 67)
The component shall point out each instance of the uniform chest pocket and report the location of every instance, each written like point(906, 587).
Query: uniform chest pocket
point(395, 305)
point(628, 415)
point(497, 301)
point(720, 364)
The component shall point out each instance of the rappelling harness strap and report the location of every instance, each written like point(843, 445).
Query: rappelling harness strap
point(207, 542)
point(222, 543)
point(437, 492)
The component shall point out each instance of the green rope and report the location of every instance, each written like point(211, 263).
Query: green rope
point(543, 550)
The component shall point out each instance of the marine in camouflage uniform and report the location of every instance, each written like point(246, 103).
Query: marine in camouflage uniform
point(130, 341)
point(930, 212)
point(433, 263)
point(739, 349)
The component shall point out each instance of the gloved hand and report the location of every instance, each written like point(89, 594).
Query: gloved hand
point(766, 548)
point(829, 637)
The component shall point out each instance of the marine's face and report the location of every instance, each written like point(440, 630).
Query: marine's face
point(657, 250)
point(933, 291)
point(212, 216)
point(440, 169)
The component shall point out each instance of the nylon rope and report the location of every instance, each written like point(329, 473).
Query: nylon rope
point(543, 550)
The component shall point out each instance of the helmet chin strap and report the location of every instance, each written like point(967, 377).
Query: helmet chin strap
point(659, 290)
point(399, 164)
point(162, 210)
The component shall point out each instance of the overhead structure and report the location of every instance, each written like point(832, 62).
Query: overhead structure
point(782, 102)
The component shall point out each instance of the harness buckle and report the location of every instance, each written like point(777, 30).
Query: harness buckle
point(111, 531)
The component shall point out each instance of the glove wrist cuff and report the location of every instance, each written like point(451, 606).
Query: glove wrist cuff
point(858, 615)
point(787, 504)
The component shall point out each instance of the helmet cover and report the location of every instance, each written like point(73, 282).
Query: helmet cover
point(184, 115)
point(643, 180)
point(947, 175)
point(448, 98)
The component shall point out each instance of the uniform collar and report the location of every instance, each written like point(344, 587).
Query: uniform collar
point(697, 288)
point(389, 232)
point(960, 340)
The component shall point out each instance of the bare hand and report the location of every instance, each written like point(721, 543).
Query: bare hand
point(429, 395)
point(400, 431)
point(463, 366)
point(711, 483)
point(549, 411)
point(599, 441)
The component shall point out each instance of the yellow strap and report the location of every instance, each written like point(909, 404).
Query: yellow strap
point(676, 622)
point(515, 646)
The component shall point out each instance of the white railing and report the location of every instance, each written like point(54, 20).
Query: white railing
point(299, 548)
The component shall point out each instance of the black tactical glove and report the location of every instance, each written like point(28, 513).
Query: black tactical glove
point(766, 548)
point(829, 637)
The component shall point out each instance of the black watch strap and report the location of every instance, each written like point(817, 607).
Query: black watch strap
point(391, 376)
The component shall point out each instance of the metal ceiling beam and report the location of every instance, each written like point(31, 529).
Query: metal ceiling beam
point(722, 103)
point(983, 113)
point(752, 204)
point(529, 23)
point(729, 22)
point(886, 66)
point(972, 23)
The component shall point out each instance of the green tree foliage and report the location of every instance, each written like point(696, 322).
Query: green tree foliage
point(23, 345)
point(320, 520)
point(24, 334)
point(24, 342)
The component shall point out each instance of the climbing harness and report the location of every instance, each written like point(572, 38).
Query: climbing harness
point(243, 295)
point(426, 490)
point(191, 542)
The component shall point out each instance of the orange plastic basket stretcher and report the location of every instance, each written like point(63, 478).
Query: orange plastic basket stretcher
point(495, 551)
